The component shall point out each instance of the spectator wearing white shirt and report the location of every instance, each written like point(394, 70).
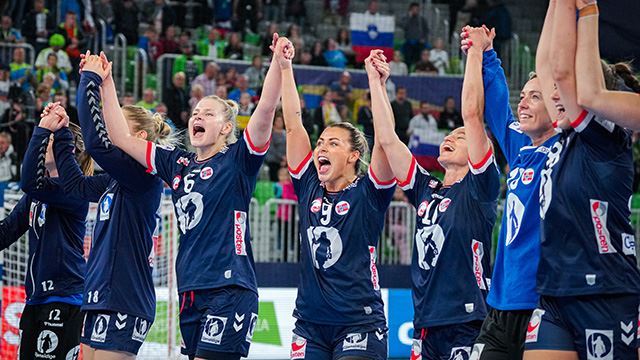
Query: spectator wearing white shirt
point(439, 56)
point(397, 66)
point(423, 120)
point(207, 79)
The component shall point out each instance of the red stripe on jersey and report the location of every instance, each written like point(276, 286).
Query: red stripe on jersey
point(484, 160)
point(304, 162)
point(580, 119)
point(148, 157)
point(412, 169)
point(375, 178)
point(255, 148)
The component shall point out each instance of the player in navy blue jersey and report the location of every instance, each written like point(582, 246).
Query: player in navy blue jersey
point(524, 140)
point(339, 309)
point(119, 297)
point(455, 217)
point(587, 277)
point(212, 190)
point(51, 320)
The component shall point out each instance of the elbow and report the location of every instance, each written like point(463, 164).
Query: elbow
point(471, 113)
point(560, 73)
point(386, 140)
point(587, 97)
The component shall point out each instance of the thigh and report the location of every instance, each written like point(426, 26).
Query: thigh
point(362, 342)
point(548, 336)
point(50, 331)
point(501, 336)
point(114, 332)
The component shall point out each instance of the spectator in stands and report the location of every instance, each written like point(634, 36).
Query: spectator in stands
point(276, 155)
point(365, 119)
point(148, 101)
point(154, 48)
point(305, 58)
point(56, 43)
point(38, 25)
point(450, 117)
point(126, 21)
point(285, 213)
point(425, 66)
point(267, 38)
point(439, 56)
point(497, 16)
point(221, 92)
point(209, 46)
point(402, 112)
point(223, 13)
point(16, 122)
point(43, 96)
point(293, 34)
point(345, 113)
point(309, 121)
point(246, 104)
point(423, 120)
point(272, 10)
point(8, 161)
point(71, 110)
point(127, 99)
point(8, 33)
point(21, 72)
point(342, 90)
point(397, 66)
point(336, 10)
point(184, 39)
point(187, 63)
point(207, 79)
point(242, 86)
point(246, 14)
point(103, 10)
point(234, 49)
point(343, 39)
point(60, 80)
point(255, 73)
point(416, 33)
point(5, 86)
point(334, 57)
point(317, 57)
point(169, 43)
point(231, 76)
point(73, 38)
point(196, 94)
point(327, 113)
point(372, 8)
point(177, 100)
point(296, 12)
point(158, 14)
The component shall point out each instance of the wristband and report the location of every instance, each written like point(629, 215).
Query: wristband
point(589, 10)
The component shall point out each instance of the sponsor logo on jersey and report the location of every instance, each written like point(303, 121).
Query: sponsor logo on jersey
point(514, 212)
point(176, 182)
point(477, 249)
point(183, 161)
point(460, 353)
point(628, 332)
point(239, 229)
point(326, 246)
point(42, 217)
point(342, 208)
point(298, 347)
point(628, 244)
point(429, 242)
point(140, 329)
point(206, 173)
point(213, 329)
point(32, 209)
point(99, 333)
point(316, 205)
point(46, 344)
point(422, 209)
point(252, 327)
point(374, 269)
point(105, 206)
point(599, 344)
point(599, 219)
point(416, 350)
point(444, 204)
point(355, 341)
point(433, 184)
point(73, 353)
point(515, 126)
point(534, 326)
point(527, 176)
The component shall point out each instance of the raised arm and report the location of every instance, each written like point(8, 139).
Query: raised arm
point(16, 224)
point(473, 95)
point(387, 143)
point(298, 143)
point(623, 108)
point(544, 56)
point(261, 121)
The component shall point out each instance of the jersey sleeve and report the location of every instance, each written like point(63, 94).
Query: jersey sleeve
point(16, 224)
point(305, 176)
point(605, 139)
point(165, 161)
point(484, 178)
point(418, 179)
point(119, 165)
point(89, 188)
point(380, 192)
point(249, 156)
point(497, 111)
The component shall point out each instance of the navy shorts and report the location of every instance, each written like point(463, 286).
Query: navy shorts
point(217, 321)
point(448, 342)
point(111, 330)
point(327, 342)
point(602, 327)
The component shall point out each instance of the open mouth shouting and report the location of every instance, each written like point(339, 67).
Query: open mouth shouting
point(197, 130)
point(324, 165)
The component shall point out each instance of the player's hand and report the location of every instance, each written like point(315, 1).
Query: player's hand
point(93, 63)
point(582, 3)
point(370, 67)
point(383, 68)
point(480, 38)
point(107, 65)
point(52, 121)
point(83, 60)
point(283, 52)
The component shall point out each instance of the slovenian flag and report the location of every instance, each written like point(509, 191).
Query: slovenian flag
point(370, 32)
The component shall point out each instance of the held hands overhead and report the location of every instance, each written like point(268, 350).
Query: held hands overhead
point(283, 51)
point(480, 38)
point(377, 67)
point(54, 117)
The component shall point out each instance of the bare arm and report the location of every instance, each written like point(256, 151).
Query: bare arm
point(620, 107)
point(543, 60)
point(298, 143)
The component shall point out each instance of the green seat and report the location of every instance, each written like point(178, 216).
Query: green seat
point(252, 38)
point(264, 191)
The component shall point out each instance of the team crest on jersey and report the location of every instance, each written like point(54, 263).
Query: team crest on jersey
point(326, 246)
point(99, 333)
point(189, 210)
point(355, 341)
point(176, 182)
point(460, 353)
point(416, 350)
point(105, 206)
point(213, 329)
point(316, 205)
point(599, 218)
point(140, 329)
point(422, 209)
point(514, 213)
point(515, 126)
point(46, 344)
point(429, 241)
point(206, 173)
point(342, 208)
point(73, 353)
point(534, 326)
point(183, 161)
point(298, 347)
point(599, 344)
point(444, 204)
point(527, 176)
point(478, 253)
point(628, 244)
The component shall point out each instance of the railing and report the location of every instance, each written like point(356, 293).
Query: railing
point(100, 37)
point(140, 72)
point(120, 62)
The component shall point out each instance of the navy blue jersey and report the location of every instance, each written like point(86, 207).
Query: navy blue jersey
point(450, 268)
point(514, 270)
point(211, 200)
point(119, 273)
point(587, 243)
point(339, 234)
